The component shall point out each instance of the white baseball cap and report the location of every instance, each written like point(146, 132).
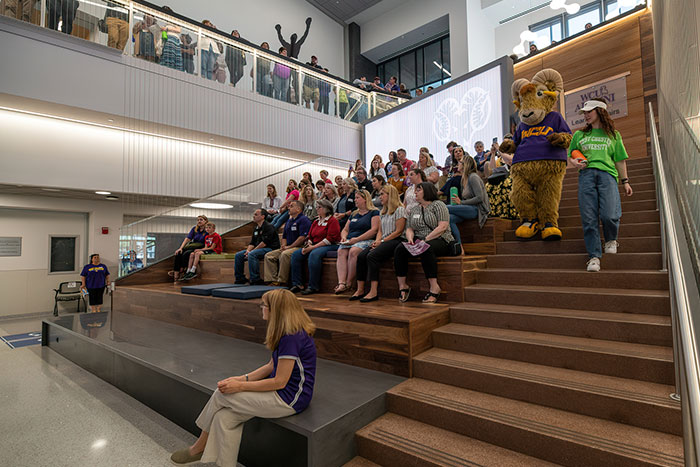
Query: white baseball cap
point(590, 105)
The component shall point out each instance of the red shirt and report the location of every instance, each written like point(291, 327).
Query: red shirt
point(330, 230)
point(213, 240)
point(407, 165)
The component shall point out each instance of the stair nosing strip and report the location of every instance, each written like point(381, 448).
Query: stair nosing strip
point(554, 381)
point(544, 428)
point(575, 347)
point(415, 448)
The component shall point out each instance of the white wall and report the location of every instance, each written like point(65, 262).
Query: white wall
point(508, 35)
point(256, 21)
point(480, 36)
point(25, 284)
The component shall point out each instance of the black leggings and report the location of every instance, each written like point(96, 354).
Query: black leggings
point(370, 260)
point(182, 260)
point(438, 247)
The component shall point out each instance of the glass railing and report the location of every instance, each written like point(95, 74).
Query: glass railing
point(155, 227)
point(167, 39)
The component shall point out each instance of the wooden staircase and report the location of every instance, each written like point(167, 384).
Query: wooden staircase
point(545, 362)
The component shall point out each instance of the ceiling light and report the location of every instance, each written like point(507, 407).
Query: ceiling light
point(100, 443)
point(103, 192)
point(110, 120)
point(51, 189)
point(112, 197)
point(211, 206)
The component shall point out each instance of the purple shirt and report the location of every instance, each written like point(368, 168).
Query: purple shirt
point(197, 236)
point(299, 347)
point(532, 140)
point(295, 228)
point(95, 275)
point(282, 71)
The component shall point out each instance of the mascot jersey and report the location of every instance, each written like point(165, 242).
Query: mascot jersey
point(532, 140)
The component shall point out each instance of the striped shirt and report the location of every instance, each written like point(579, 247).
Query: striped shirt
point(424, 220)
point(389, 221)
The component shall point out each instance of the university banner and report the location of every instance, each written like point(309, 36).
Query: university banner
point(613, 90)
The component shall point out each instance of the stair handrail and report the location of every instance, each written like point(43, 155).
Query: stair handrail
point(687, 368)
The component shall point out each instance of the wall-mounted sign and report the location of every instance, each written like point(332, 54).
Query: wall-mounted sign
point(10, 246)
point(613, 90)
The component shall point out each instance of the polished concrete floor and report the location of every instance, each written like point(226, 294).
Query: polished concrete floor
point(54, 413)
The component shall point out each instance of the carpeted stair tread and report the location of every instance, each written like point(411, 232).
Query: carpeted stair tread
point(402, 442)
point(575, 261)
point(652, 280)
point(553, 434)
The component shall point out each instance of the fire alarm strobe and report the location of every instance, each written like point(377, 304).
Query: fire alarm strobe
point(105, 230)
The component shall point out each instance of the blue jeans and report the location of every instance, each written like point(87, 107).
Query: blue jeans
point(280, 87)
point(315, 259)
point(254, 258)
point(279, 219)
point(598, 198)
point(459, 213)
point(207, 65)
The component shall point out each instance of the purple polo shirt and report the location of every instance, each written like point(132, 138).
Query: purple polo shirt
point(532, 140)
point(295, 228)
point(299, 347)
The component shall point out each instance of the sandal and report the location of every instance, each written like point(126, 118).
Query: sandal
point(340, 288)
point(171, 273)
point(404, 298)
point(430, 295)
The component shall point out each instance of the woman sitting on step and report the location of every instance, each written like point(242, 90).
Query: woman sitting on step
point(428, 222)
point(281, 387)
point(598, 195)
point(292, 195)
point(194, 240)
point(471, 201)
point(389, 236)
point(357, 235)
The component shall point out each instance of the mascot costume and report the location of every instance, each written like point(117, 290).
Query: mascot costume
point(539, 147)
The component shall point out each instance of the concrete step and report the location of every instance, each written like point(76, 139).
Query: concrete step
point(652, 302)
point(536, 246)
point(628, 205)
point(622, 327)
point(628, 279)
point(576, 261)
point(621, 359)
point(550, 434)
point(637, 403)
point(648, 229)
point(397, 441)
point(637, 196)
point(633, 217)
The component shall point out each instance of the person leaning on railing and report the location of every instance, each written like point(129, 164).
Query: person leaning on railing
point(208, 49)
point(235, 59)
point(194, 240)
point(280, 388)
point(389, 236)
point(323, 237)
point(280, 78)
point(428, 221)
point(117, 20)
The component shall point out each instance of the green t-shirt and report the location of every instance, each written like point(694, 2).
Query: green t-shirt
point(601, 151)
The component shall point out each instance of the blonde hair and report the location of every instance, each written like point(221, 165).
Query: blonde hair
point(394, 201)
point(302, 195)
point(350, 181)
point(332, 188)
point(286, 317)
point(206, 219)
point(429, 160)
point(368, 201)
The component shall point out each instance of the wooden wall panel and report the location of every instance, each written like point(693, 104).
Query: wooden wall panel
point(626, 45)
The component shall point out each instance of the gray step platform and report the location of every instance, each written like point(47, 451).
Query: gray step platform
point(174, 370)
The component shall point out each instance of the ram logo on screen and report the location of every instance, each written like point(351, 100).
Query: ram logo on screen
point(457, 120)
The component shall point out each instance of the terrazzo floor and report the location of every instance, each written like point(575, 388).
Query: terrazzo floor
point(54, 413)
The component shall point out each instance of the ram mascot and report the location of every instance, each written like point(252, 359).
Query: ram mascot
point(539, 147)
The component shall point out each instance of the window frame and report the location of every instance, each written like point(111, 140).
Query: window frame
point(77, 267)
point(419, 67)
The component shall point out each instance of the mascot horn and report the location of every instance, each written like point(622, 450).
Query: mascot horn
point(539, 162)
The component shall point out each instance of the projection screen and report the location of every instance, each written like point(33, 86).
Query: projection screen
point(474, 107)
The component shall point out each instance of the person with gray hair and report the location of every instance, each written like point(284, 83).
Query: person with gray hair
point(323, 237)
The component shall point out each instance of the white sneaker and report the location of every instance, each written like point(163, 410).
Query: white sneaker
point(593, 265)
point(611, 247)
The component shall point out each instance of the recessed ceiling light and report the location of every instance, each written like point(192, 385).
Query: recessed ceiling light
point(111, 197)
point(103, 192)
point(51, 189)
point(110, 120)
point(211, 206)
point(211, 139)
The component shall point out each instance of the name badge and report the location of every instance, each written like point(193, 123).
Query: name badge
point(416, 216)
point(294, 227)
point(354, 220)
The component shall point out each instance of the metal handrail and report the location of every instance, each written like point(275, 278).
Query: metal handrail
point(685, 350)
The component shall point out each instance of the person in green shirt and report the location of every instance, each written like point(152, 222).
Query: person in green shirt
point(604, 165)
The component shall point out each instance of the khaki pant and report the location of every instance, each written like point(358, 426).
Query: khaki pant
point(278, 265)
point(223, 418)
point(117, 33)
point(18, 9)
